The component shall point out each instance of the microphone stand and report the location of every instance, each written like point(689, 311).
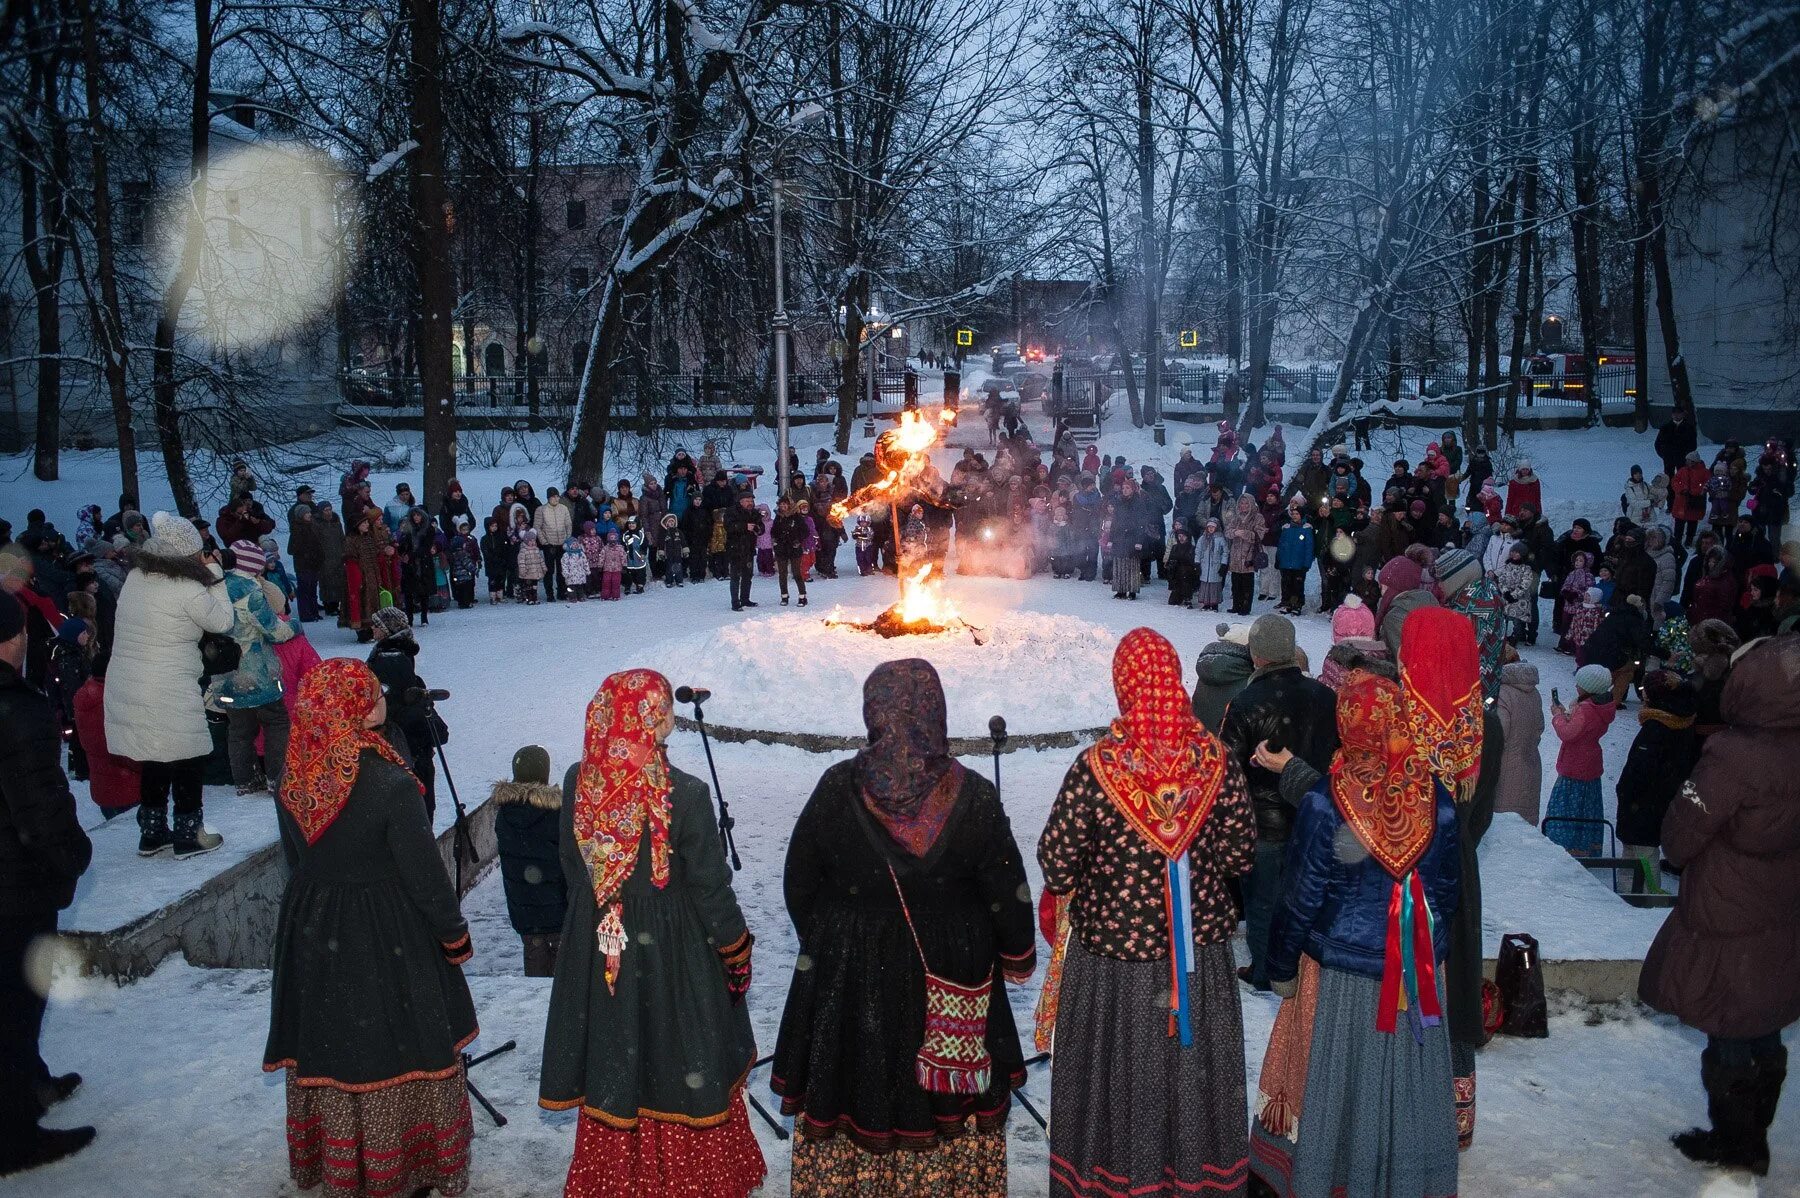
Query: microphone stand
point(462, 842)
point(729, 843)
point(997, 730)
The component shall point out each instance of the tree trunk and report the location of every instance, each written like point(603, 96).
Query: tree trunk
point(164, 388)
point(1151, 258)
point(1680, 391)
point(850, 385)
point(108, 316)
point(43, 205)
point(432, 221)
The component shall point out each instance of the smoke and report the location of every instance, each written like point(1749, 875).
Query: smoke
point(268, 261)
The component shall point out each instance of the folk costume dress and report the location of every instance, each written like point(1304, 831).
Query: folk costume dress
point(648, 1033)
point(1149, 827)
point(1355, 1092)
point(369, 1010)
point(902, 862)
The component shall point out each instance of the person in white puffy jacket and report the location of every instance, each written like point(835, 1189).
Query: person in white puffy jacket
point(154, 713)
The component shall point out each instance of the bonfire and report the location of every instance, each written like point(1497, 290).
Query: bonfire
point(902, 454)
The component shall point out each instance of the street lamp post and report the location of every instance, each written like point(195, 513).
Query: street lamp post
point(781, 357)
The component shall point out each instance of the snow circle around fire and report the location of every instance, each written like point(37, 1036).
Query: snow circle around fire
point(795, 672)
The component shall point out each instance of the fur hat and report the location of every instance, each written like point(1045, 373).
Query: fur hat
point(172, 536)
point(390, 621)
point(1594, 680)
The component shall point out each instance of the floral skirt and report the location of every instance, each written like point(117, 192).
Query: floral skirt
point(660, 1159)
point(971, 1165)
point(386, 1143)
point(1569, 800)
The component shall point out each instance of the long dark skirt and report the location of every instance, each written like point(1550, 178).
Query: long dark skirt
point(1132, 1110)
point(1378, 1120)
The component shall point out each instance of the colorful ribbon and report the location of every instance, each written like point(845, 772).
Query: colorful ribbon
point(1180, 903)
point(1409, 968)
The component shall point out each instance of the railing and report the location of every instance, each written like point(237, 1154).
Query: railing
point(1194, 388)
point(808, 390)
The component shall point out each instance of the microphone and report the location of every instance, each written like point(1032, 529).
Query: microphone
point(414, 695)
point(997, 729)
point(692, 694)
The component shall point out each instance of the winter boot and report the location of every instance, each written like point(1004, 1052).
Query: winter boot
point(54, 1089)
point(41, 1146)
point(1737, 1139)
point(255, 786)
point(191, 837)
point(153, 826)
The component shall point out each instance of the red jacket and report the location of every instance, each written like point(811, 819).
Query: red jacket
point(112, 781)
point(1687, 492)
point(1520, 494)
point(1580, 729)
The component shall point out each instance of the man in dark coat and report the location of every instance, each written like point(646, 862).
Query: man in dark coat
point(1540, 545)
point(1675, 440)
point(1282, 706)
point(394, 660)
point(1221, 672)
point(307, 552)
point(743, 524)
point(43, 851)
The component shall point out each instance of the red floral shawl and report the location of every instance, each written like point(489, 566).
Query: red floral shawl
point(1159, 765)
point(1440, 671)
point(1381, 787)
point(623, 785)
point(327, 739)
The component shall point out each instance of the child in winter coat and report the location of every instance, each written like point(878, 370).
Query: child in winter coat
point(1672, 646)
point(592, 542)
point(1179, 568)
point(575, 570)
point(809, 552)
point(765, 544)
point(612, 567)
point(1721, 499)
point(528, 827)
point(1662, 756)
point(1573, 819)
point(673, 553)
point(1583, 616)
point(465, 564)
point(1353, 620)
point(1636, 503)
point(530, 565)
point(1516, 582)
point(1211, 554)
point(1579, 578)
point(863, 536)
point(637, 557)
point(497, 554)
point(913, 548)
point(1294, 557)
point(1063, 543)
point(1524, 490)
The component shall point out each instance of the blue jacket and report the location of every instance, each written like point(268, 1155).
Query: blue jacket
point(1295, 551)
point(1335, 896)
point(257, 630)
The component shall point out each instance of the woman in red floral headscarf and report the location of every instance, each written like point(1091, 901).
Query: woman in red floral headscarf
point(1355, 1094)
point(369, 1012)
point(1149, 827)
point(648, 1033)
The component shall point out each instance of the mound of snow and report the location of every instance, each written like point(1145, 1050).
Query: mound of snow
point(793, 672)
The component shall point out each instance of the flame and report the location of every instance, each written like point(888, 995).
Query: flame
point(922, 598)
point(916, 433)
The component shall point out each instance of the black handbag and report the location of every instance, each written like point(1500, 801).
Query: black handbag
point(1519, 973)
point(219, 654)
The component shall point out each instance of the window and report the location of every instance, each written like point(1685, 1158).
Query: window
point(234, 229)
point(576, 213)
point(578, 279)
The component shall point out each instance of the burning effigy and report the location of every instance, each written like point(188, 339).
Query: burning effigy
point(903, 455)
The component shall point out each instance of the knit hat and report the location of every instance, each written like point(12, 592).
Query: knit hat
point(12, 617)
point(248, 556)
point(1594, 680)
point(1456, 569)
point(390, 621)
point(1233, 634)
point(1272, 639)
point(172, 536)
point(1593, 594)
point(532, 764)
point(70, 630)
point(1352, 619)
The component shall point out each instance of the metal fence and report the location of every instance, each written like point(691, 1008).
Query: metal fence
point(1200, 389)
point(735, 393)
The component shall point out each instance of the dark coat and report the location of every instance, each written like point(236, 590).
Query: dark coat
point(43, 851)
point(1624, 636)
point(1221, 673)
point(667, 1037)
point(366, 990)
point(1727, 960)
point(1462, 967)
point(392, 660)
point(1660, 760)
point(854, 1021)
point(527, 820)
point(741, 530)
point(1334, 904)
point(1674, 441)
point(789, 535)
point(1283, 706)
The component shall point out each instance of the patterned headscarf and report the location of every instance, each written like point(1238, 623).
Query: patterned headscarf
point(1159, 765)
point(906, 775)
point(1379, 784)
point(327, 739)
point(622, 788)
point(1440, 671)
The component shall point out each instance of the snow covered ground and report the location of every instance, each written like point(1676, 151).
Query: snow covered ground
point(173, 1061)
